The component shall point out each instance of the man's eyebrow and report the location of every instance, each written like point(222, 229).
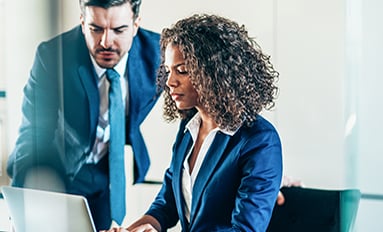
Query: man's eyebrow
point(116, 28)
point(120, 27)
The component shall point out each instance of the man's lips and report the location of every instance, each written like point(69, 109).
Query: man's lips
point(106, 54)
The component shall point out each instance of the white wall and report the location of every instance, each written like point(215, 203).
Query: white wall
point(310, 55)
point(329, 78)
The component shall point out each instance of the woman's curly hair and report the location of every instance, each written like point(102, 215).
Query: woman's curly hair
point(234, 80)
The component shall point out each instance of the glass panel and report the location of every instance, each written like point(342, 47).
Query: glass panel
point(364, 36)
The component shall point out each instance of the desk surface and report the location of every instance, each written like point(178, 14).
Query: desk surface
point(5, 224)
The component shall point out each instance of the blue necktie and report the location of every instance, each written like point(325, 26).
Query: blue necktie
point(116, 147)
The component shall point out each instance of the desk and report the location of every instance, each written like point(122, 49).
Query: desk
point(5, 223)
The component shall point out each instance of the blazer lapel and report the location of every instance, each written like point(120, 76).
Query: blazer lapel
point(211, 160)
point(89, 82)
point(183, 150)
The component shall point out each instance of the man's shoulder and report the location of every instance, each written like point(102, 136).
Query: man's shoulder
point(71, 43)
point(148, 37)
point(148, 33)
point(72, 35)
point(146, 43)
point(70, 46)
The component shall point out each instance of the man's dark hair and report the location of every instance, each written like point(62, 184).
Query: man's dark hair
point(109, 3)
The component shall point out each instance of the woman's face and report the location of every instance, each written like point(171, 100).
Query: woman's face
point(181, 88)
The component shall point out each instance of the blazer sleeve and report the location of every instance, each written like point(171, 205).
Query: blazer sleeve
point(261, 174)
point(164, 207)
point(34, 145)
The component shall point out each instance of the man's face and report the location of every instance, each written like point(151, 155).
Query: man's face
point(109, 32)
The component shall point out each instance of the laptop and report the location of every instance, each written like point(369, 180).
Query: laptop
point(37, 210)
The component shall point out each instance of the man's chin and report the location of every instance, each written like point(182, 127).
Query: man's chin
point(106, 63)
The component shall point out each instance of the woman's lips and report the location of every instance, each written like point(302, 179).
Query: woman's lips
point(176, 96)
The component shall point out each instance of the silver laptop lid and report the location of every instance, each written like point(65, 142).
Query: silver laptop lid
point(36, 210)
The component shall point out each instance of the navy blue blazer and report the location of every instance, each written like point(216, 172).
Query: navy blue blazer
point(61, 105)
point(236, 187)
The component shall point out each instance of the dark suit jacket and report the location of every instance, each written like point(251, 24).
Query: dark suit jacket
point(61, 105)
point(236, 187)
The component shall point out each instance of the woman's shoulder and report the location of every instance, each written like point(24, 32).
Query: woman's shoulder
point(260, 124)
point(260, 128)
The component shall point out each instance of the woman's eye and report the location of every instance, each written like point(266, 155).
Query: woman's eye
point(182, 72)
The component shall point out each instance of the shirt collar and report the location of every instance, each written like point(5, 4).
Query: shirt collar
point(194, 124)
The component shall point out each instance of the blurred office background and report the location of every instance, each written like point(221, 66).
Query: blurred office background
point(328, 111)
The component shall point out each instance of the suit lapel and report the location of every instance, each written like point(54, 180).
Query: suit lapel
point(182, 150)
point(89, 82)
point(211, 160)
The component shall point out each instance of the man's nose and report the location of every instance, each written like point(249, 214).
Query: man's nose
point(107, 39)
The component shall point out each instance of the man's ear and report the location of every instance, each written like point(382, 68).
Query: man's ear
point(136, 25)
point(82, 22)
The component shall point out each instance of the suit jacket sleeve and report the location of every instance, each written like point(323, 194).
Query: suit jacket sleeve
point(39, 116)
point(58, 123)
point(261, 173)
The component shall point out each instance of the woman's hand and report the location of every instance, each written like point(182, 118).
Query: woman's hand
point(120, 229)
point(143, 228)
point(287, 182)
point(146, 223)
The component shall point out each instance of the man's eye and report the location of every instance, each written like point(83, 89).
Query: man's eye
point(95, 29)
point(119, 31)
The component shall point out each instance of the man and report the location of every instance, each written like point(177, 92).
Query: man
point(66, 136)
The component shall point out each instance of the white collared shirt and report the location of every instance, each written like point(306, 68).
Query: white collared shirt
point(188, 180)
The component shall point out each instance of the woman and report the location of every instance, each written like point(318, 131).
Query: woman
point(226, 167)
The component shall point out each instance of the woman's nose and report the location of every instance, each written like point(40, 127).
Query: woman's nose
point(171, 81)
